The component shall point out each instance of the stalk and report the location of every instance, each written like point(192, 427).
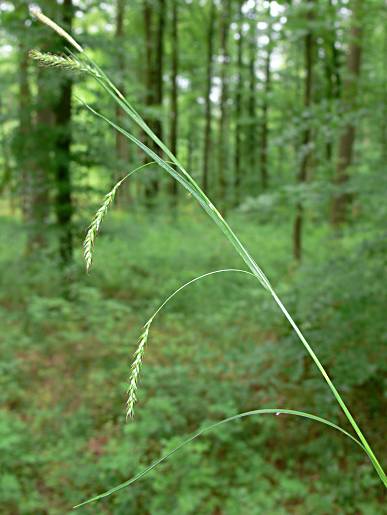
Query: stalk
point(184, 178)
point(276, 412)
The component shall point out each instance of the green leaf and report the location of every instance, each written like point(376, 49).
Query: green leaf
point(270, 411)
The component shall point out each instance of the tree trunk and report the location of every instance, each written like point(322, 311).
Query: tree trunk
point(63, 201)
point(174, 95)
point(41, 138)
point(24, 133)
point(345, 153)
point(41, 166)
point(122, 147)
point(34, 144)
point(154, 81)
point(238, 110)
point(307, 133)
point(222, 142)
point(265, 111)
point(152, 187)
point(332, 73)
point(159, 65)
point(208, 105)
point(252, 140)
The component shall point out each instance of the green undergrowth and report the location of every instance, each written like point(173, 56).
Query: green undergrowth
point(211, 354)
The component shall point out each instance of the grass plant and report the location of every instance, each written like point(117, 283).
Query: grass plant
point(170, 164)
point(88, 244)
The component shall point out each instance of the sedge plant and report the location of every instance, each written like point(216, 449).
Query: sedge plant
point(169, 163)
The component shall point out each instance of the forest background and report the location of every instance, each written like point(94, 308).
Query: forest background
point(277, 108)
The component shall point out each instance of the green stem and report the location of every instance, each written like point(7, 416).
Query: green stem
point(214, 214)
point(190, 184)
point(336, 394)
point(269, 411)
point(258, 273)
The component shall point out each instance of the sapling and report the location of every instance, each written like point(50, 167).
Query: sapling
point(82, 62)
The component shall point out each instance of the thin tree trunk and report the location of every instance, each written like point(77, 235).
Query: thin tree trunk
point(307, 134)
point(152, 186)
point(252, 139)
point(41, 166)
point(40, 140)
point(222, 142)
point(159, 67)
point(174, 95)
point(265, 112)
point(63, 201)
point(27, 157)
point(238, 111)
point(24, 133)
point(154, 80)
point(208, 105)
point(122, 147)
point(332, 73)
point(345, 153)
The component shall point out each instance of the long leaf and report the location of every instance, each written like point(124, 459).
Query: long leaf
point(210, 428)
point(188, 182)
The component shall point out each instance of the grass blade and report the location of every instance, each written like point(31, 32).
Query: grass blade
point(182, 176)
point(89, 242)
point(139, 353)
point(210, 428)
point(255, 269)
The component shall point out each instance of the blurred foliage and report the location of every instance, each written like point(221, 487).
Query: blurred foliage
point(219, 348)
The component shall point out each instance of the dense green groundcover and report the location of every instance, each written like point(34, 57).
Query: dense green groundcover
point(221, 347)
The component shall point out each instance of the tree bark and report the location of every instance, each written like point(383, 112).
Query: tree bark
point(346, 144)
point(63, 201)
point(152, 187)
point(41, 166)
point(159, 68)
point(252, 139)
point(41, 138)
point(265, 111)
point(208, 104)
point(154, 80)
point(222, 142)
point(122, 147)
point(307, 132)
point(174, 95)
point(238, 111)
point(24, 133)
point(332, 73)
point(34, 142)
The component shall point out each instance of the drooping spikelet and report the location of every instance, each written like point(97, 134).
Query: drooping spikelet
point(135, 371)
point(88, 244)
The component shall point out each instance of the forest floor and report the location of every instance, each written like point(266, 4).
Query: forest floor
point(219, 348)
